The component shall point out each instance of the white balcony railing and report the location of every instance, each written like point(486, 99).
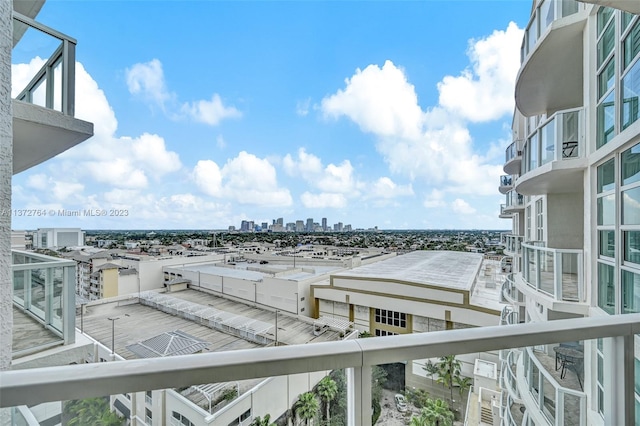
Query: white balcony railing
point(559, 138)
point(508, 380)
point(512, 243)
point(503, 211)
point(53, 86)
point(558, 404)
point(514, 200)
point(513, 151)
point(510, 293)
point(38, 385)
point(555, 272)
point(543, 16)
point(509, 316)
point(44, 289)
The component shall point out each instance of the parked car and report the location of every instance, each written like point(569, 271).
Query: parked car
point(401, 403)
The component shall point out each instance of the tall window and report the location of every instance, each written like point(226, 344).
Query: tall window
point(630, 77)
point(539, 221)
point(605, 111)
point(396, 319)
point(606, 221)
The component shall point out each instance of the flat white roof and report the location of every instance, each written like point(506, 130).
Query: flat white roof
point(452, 269)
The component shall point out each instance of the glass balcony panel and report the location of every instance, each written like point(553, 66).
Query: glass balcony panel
point(56, 298)
point(547, 272)
point(547, 14)
point(548, 142)
point(557, 274)
point(569, 277)
point(36, 285)
point(19, 281)
point(44, 53)
point(532, 36)
point(548, 399)
point(568, 7)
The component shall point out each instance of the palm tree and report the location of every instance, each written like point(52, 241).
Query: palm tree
point(327, 390)
point(307, 407)
point(448, 369)
point(463, 383)
point(264, 421)
point(437, 413)
point(431, 369)
point(91, 411)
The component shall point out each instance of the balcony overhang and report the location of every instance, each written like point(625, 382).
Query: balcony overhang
point(512, 167)
point(631, 6)
point(554, 177)
point(551, 77)
point(40, 134)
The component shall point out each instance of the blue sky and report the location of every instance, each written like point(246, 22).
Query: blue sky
point(388, 114)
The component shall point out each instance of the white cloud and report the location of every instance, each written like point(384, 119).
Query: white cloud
point(332, 178)
point(435, 199)
point(209, 112)
point(302, 107)
point(485, 90)
point(21, 74)
point(435, 144)
point(462, 207)
point(385, 188)
point(379, 100)
point(220, 142)
point(246, 179)
point(147, 80)
point(323, 200)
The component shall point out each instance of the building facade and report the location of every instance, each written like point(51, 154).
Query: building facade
point(572, 196)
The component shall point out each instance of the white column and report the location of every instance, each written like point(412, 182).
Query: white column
point(6, 171)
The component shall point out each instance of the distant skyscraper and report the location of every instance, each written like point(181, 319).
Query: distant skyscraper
point(324, 224)
point(280, 221)
point(309, 227)
point(299, 226)
point(265, 226)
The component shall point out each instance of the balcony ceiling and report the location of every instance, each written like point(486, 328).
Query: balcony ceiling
point(555, 177)
point(40, 134)
point(631, 6)
point(512, 167)
point(551, 77)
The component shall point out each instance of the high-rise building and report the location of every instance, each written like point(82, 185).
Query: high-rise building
point(572, 188)
point(299, 226)
point(309, 227)
point(324, 224)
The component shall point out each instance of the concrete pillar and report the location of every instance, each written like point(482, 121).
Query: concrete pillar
point(6, 171)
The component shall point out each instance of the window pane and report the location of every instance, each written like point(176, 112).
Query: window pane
point(630, 292)
point(606, 43)
point(606, 78)
point(606, 288)
point(630, 91)
point(631, 44)
point(606, 120)
point(607, 210)
point(533, 152)
point(606, 176)
point(626, 19)
point(607, 243)
point(631, 165)
point(603, 17)
point(632, 246)
point(631, 207)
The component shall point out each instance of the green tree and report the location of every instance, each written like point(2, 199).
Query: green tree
point(431, 370)
point(307, 407)
point(327, 390)
point(437, 413)
point(262, 421)
point(91, 411)
point(448, 369)
point(463, 383)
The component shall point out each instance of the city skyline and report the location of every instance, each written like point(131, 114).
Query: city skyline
point(374, 123)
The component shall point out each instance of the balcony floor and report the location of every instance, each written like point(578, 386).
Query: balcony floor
point(29, 333)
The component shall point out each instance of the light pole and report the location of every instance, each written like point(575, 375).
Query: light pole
point(276, 344)
point(113, 334)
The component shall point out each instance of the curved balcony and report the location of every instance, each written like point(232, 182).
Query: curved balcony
point(508, 316)
point(510, 293)
point(554, 155)
point(554, 277)
point(549, 398)
point(508, 377)
point(514, 202)
point(626, 5)
point(513, 157)
point(506, 184)
point(503, 213)
point(512, 244)
point(551, 53)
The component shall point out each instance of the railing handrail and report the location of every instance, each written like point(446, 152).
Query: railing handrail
point(41, 27)
point(47, 261)
point(551, 249)
point(32, 386)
